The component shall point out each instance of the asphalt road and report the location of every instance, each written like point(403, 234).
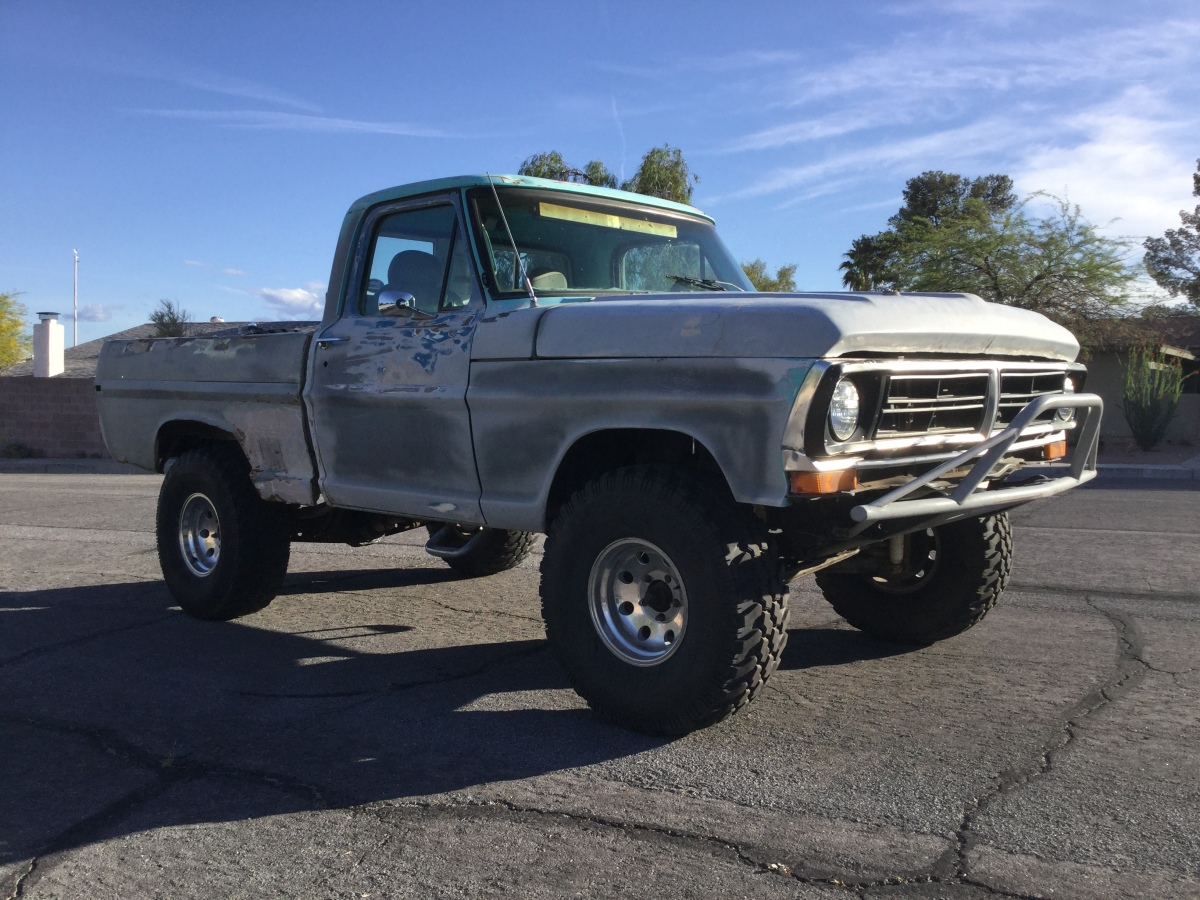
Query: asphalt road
point(385, 730)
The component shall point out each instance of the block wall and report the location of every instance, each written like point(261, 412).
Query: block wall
point(58, 417)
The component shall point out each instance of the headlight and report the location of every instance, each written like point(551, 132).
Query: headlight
point(1067, 413)
point(843, 410)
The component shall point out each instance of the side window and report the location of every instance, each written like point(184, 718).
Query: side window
point(414, 252)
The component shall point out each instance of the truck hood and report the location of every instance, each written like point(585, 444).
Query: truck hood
point(796, 326)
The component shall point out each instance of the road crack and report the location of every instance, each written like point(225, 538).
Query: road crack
point(1130, 667)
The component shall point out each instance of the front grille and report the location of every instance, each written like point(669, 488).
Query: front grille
point(1019, 389)
point(947, 403)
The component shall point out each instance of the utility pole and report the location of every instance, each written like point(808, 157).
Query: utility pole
point(75, 295)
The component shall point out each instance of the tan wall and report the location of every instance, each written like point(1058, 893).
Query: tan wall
point(56, 416)
point(1106, 377)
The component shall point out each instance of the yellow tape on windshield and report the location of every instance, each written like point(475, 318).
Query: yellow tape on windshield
point(604, 220)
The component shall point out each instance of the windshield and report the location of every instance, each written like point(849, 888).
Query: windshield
point(575, 245)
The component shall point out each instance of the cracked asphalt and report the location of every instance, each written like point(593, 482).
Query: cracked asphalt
point(384, 729)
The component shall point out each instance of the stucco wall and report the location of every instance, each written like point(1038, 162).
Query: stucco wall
point(57, 417)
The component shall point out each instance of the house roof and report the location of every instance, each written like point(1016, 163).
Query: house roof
point(1178, 331)
point(80, 361)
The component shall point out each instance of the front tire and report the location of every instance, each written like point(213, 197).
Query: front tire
point(223, 549)
point(664, 601)
point(956, 574)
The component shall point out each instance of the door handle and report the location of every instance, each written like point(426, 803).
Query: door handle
point(327, 341)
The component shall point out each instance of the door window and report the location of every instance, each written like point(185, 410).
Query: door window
point(416, 252)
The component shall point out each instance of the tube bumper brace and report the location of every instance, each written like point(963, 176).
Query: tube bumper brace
point(967, 497)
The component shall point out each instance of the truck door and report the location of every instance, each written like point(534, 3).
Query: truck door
point(388, 378)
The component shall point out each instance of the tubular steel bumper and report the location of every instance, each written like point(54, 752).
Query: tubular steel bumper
point(967, 497)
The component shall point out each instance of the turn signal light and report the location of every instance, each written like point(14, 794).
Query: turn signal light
point(823, 482)
point(1055, 450)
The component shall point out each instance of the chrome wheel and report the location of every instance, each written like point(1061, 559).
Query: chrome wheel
point(199, 535)
point(638, 602)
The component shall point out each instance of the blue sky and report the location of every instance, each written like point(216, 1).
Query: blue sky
point(207, 152)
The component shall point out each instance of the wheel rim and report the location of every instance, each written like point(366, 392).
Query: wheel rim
point(638, 602)
point(199, 535)
point(924, 551)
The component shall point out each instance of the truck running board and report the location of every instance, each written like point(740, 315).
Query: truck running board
point(448, 542)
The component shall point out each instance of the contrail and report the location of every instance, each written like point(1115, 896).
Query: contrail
point(620, 131)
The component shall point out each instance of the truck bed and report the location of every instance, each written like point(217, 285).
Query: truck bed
point(245, 381)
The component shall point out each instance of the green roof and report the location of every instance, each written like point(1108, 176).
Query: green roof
point(457, 182)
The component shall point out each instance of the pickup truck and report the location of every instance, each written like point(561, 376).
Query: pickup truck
point(503, 356)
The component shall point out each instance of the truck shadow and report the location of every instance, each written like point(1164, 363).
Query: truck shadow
point(109, 691)
point(810, 648)
point(114, 702)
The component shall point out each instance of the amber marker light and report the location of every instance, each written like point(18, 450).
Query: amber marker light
point(823, 482)
point(1055, 450)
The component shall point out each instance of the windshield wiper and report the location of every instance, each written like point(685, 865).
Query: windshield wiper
point(709, 284)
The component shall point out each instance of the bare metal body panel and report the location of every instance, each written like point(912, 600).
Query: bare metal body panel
point(526, 415)
point(812, 326)
point(245, 385)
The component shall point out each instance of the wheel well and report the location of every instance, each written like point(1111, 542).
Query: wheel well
point(602, 451)
point(175, 438)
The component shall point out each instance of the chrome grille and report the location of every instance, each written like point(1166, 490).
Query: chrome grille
point(1019, 389)
point(943, 403)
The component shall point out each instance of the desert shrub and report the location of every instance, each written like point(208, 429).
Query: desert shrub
point(1153, 383)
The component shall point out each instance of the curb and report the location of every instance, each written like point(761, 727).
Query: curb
point(68, 467)
point(1189, 471)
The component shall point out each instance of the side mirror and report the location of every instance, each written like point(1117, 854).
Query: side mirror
point(396, 303)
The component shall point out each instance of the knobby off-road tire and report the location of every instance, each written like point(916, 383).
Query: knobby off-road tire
point(223, 550)
point(497, 551)
point(664, 601)
point(966, 568)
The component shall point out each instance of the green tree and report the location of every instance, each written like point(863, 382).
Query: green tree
point(663, 173)
point(783, 281)
point(170, 320)
point(1173, 260)
point(552, 165)
point(15, 343)
point(977, 237)
point(933, 198)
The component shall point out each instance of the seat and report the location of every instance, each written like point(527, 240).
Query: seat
point(418, 273)
point(546, 279)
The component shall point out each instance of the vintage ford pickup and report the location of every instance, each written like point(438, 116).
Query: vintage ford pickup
point(503, 356)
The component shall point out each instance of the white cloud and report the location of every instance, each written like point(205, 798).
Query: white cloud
point(282, 121)
point(942, 149)
point(1127, 161)
point(295, 303)
point(194, 262)
point(233, 272)
point(94, 312)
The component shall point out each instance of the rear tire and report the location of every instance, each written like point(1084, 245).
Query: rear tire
point(962, 571)
point(664, 602)
point(496, 551)
point(222, 548)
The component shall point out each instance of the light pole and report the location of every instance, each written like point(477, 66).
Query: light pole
point(75, 301)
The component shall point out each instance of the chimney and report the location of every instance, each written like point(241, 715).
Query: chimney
point(47, 346)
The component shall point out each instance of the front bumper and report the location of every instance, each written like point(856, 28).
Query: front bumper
point(973, 495)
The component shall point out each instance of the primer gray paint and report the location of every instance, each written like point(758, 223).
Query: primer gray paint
point(756, 326)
